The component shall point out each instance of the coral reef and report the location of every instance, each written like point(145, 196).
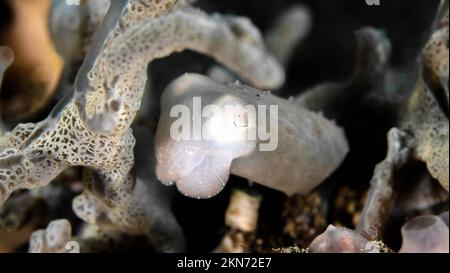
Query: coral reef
point(422, 134)
point(273, 143)
point(91, 128)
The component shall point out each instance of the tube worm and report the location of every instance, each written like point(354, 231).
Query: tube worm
point(288, 30)
point(32, 80)
point(300, 151)
point(56, 238)
point(425, 234)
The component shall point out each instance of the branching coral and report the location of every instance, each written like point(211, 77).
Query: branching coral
point(92, 127)
point(54, 239)
point(332, 99)
point(422, 134)
point(288, 30)
point(304, 151)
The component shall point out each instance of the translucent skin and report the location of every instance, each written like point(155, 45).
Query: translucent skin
point(310, 147)
point(425, 234)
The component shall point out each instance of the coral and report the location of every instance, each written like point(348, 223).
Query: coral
point(32, 79)
point(308, 147)
point(332, 99)
point(427, 113)
point(284, 167)
point(422, 134)
point(54, 239)
point(289, 29)
point(425, 234)
point(381, 196)
point(91, 128)
point(241, 218)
